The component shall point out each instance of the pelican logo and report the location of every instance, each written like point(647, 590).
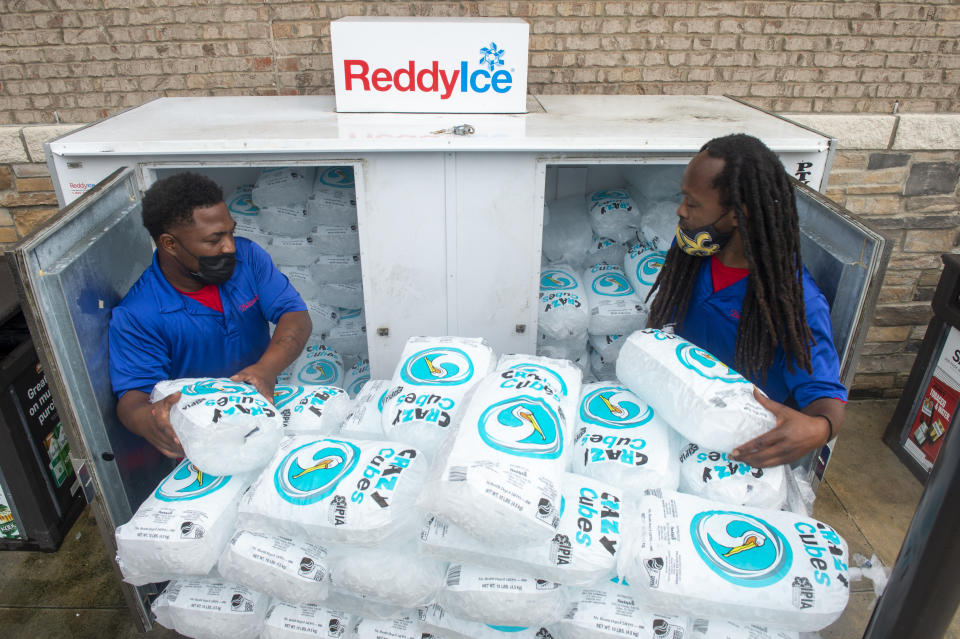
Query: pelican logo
point(612, 284)
point(523, 426)
point(210, 386)
point(441, 366)
point(614, 407)
point(557, 280)
point(340, 177)
point(744, 550)
point(649, 267)
point(188, 482)
point(284, 394)
point(357, 384)
point(320, 371)
point(242, 204)
point(311, 472)
point(706, 365)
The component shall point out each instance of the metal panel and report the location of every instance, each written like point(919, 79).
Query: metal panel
point(494, 269)
point(400, 211)
point(73, 275)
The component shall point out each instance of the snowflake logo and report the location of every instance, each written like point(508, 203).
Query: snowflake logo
point(492, 56)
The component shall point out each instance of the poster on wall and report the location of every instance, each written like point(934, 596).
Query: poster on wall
point(8, 525)
point(938, 405)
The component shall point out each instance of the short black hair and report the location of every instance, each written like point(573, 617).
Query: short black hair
point(171, 201)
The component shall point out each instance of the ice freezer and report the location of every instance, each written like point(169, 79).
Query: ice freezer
point(449, 220)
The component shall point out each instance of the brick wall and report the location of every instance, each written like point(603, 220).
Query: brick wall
point(77, 61)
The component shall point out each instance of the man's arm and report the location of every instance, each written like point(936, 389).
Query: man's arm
point(796, 433)
point(150, 421)
point(289, 338)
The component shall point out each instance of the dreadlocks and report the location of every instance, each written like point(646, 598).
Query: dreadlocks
point(754, 185)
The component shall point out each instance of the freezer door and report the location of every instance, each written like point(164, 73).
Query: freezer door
point(73, 272)
point(847, 260)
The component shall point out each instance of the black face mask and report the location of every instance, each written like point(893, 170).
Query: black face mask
point(212, 269)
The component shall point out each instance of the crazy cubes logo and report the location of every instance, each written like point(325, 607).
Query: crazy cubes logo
point(614, 407)
point(311, 472)
point(523, 426)
point(357, 384)
point(612, 284)
point(340, 177)
point(706, 365)
point(744, 550)
point(489, 73)
point(284, 394)
point(321, 369)
point(538, 377)
point(242, 203)
point(188, 482)
point(210, 386)
point(557, 280)
point(649, 267)
point(441, 366)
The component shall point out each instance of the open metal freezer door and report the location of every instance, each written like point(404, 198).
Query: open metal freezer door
point(847, 260)
point(72, 273)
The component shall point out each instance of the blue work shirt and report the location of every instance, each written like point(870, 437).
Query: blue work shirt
point(157, 333)
point(711, 323)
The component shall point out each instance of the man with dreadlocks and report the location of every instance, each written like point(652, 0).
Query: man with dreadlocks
point(733, 284)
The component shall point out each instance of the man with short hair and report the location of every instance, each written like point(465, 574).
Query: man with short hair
point(201, 309)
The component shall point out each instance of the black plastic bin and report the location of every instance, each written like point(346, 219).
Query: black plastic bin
point(923, 590)
point(40, 497)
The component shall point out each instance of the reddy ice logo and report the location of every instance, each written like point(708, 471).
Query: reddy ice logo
point(706, 365)
point(612, 284)
point(311, 472)
point(209, 386)
point(524, 426)
point(340, 177)
point(614, 407)
point(649, 267)
point(442, 366)
point(557, 280)
point(744, 550)
point(188, 482)
point(490, 74)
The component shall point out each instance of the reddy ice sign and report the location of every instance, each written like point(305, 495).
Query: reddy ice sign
point(430, 65)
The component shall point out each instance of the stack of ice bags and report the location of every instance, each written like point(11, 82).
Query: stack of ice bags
point(210, 608)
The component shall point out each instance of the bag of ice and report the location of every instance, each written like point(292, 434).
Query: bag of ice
point(766, 567)
point(181, 528)
point(304, 621)
point(283, 186)
point(364, 419)
point(503, 467)
point(226, 427)
point(642, 266)
point(568, 236)
point(608, 610)
point(501, 597)
point(613, 214)
point(431, 379)
point(621, 440)
point(614, 307)
point(317, 365)
point(317, 410)
point(289, 569)
point(437, 622)
point(357, 377)
point(701, 398)
point(722, 629)
point(334, 197)
point(564, 312)
point(211, 609)
point(713, 475)
point(394, 573)
point(336, 490)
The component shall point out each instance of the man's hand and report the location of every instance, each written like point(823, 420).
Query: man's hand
point(795, 434)
point(256, 376)
point(151, 421)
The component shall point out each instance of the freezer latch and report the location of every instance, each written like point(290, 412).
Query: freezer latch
point(460, 129)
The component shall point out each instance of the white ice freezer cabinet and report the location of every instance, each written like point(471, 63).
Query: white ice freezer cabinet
point(449, 215)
